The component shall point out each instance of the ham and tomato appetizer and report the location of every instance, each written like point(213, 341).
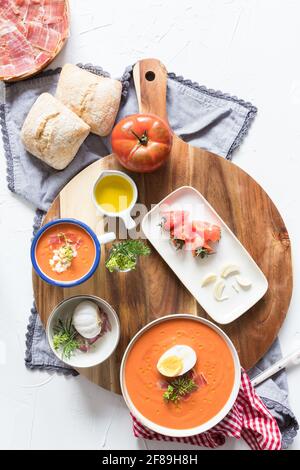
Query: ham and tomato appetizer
point(196, 236)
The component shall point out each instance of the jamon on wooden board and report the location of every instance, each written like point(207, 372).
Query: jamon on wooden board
point(32, 33)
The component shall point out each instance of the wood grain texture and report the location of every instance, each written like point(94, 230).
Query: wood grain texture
point(153, 290)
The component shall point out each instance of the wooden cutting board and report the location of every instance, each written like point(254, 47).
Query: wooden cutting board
point(153, 290)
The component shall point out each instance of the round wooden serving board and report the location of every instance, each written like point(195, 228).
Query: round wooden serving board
point(153, 290)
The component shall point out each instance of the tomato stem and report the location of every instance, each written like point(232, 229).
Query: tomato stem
point(143, 140)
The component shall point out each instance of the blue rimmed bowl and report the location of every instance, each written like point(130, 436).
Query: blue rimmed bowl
point(97, 239)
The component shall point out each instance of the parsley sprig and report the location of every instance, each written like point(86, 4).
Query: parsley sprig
point(202, 252)
point(123, 255)
point(178, 388)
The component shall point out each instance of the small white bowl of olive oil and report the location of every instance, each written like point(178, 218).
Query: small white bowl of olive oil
point(114, 195)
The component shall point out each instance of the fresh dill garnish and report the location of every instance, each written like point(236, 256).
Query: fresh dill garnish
point(178, 388)
point(123, 255)
point(65, 338)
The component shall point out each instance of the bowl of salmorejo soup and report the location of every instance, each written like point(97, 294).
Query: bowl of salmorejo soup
point(180, 375)
point(66, 252)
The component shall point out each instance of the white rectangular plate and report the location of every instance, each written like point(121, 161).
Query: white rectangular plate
point(191, 270)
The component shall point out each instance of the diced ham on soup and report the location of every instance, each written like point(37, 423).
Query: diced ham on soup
point(31, 34)
point(190, 235)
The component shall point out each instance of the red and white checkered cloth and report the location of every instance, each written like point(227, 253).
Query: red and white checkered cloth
point(248, 418)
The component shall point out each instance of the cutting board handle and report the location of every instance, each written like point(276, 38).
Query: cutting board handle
point(150, 80)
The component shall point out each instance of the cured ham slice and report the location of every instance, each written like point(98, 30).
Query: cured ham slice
point(32, 32)
point(41, 58)
point(199, 379)
point(9, 13)
point(18, 52)
point(54, 11)
point(6, 68)
point(172, 219)
point(61, 26)
point(20, 7)
point(42, 37)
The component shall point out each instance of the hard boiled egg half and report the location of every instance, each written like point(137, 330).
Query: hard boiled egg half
point(176, 361)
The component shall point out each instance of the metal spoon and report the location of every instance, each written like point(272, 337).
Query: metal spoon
point(290, 359)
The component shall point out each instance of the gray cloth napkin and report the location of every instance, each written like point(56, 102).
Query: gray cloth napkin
point(202, 117)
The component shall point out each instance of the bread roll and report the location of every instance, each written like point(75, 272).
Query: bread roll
point(95, 99)
point(53, 133)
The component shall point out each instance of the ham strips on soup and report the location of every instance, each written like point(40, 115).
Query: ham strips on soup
point(32, 32)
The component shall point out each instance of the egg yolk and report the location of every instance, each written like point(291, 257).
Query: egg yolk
point(170, 366)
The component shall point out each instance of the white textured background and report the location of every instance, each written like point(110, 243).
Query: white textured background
point(248, 48)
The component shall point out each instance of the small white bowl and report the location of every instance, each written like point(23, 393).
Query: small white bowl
point(102, 349)
point(125, 214)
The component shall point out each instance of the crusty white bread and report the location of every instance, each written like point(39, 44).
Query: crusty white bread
point(94, 99)
point(53, 133)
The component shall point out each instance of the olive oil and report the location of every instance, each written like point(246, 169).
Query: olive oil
point(113, 193)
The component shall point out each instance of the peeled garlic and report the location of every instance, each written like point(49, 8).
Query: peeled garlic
point(86, 319)
point(243, 282)
point(235, 287)
point(211, 277)
point(218, 291)
point(229, 269)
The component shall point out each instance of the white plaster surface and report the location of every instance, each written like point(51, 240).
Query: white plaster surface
point(247, 48)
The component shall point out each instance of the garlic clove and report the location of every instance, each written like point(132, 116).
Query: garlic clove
point(218, 291)
point(244, 283)
point(211, 277)
point(235, 287)
point(229, 269)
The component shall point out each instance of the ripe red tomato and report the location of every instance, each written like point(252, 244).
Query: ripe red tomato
point(142, 142)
